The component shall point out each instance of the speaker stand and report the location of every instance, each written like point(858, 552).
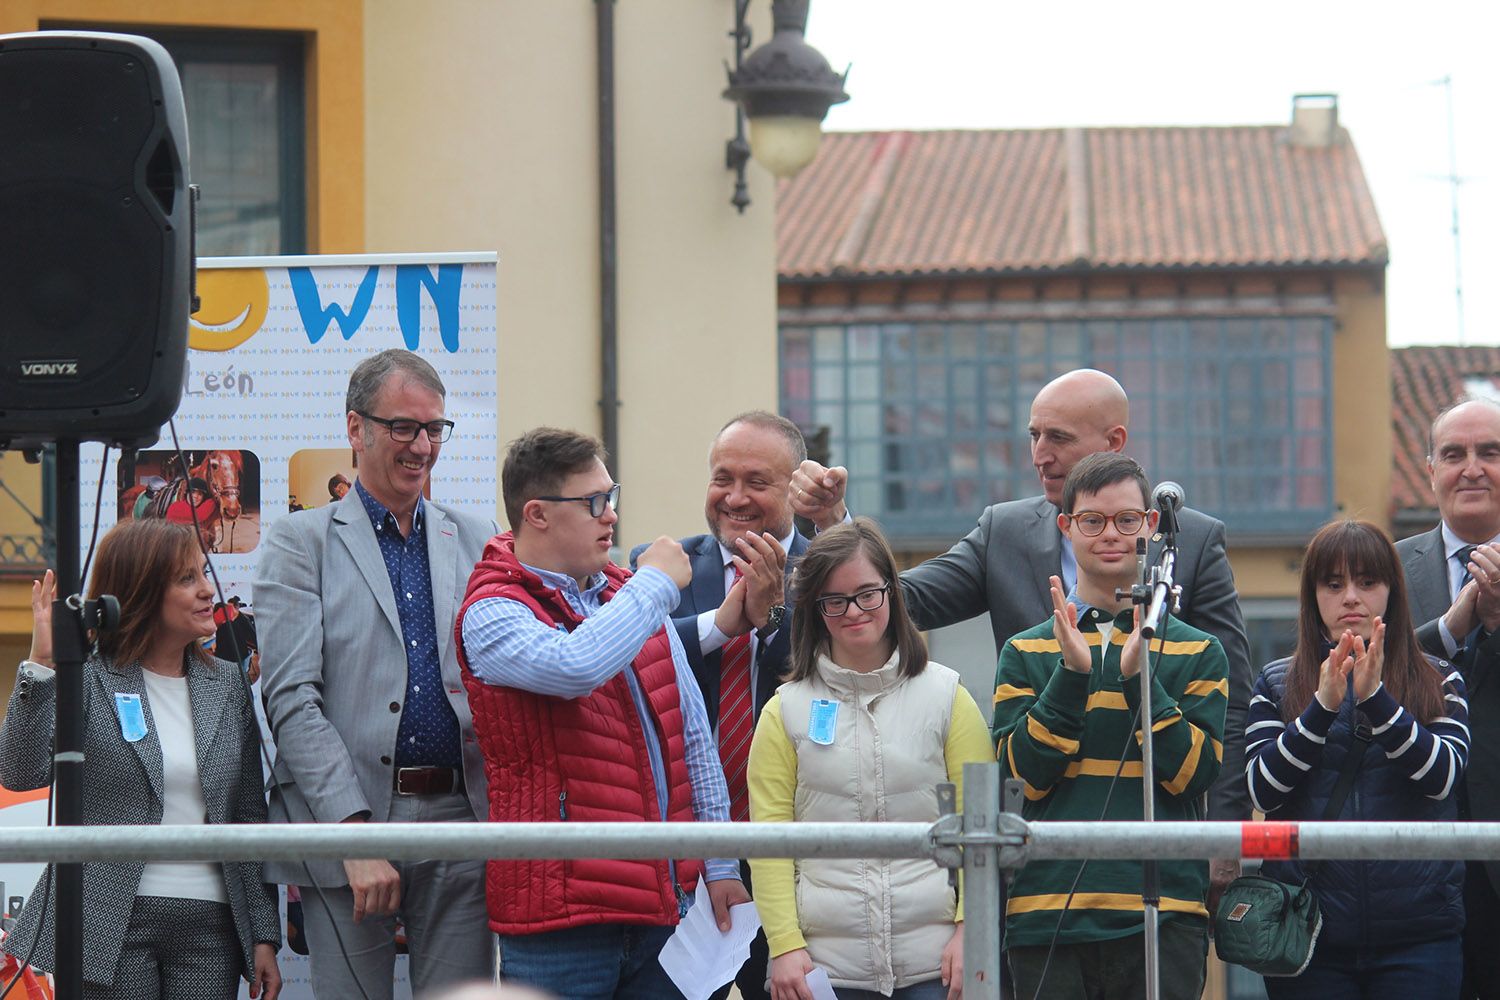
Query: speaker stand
point(70, 645)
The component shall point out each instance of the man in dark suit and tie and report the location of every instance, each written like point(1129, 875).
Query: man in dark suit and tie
point(732, 616)
point(1453, 577)
point(1002, 566)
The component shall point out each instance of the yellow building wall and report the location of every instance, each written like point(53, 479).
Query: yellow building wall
point(334, 75)
point(481, 132)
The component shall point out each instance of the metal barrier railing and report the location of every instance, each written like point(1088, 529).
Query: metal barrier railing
point(983, 840)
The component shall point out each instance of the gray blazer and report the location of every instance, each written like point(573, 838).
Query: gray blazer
point(1001, 567)
point(122, 784)
point(333, 667)
point(1426, 569)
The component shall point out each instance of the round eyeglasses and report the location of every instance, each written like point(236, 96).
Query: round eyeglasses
point(1127, 522)
point(837, 605)
point(598, 502)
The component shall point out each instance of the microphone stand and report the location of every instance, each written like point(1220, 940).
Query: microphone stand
point(1152, 595)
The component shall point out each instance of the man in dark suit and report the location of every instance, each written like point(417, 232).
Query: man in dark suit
point(1002, 566)
point(734, 627)
point(1453, 577)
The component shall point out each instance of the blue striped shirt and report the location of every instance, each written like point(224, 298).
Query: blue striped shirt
point(1277, 755)
point(508, 645)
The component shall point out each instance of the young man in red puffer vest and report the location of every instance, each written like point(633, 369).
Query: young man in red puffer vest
point(586, 710)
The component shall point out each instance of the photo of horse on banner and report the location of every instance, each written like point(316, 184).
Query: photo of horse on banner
point(218, 492)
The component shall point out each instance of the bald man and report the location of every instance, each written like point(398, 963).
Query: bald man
point(1002, 566)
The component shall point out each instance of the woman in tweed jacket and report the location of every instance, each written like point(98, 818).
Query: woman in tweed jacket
point(170, 737)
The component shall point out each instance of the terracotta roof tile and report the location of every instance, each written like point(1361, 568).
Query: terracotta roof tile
point(1423, 381)
point(1000, 201)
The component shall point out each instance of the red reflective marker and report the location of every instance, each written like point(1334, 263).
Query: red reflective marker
point(1276, 841)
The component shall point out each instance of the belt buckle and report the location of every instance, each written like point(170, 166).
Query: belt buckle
point(402, 773)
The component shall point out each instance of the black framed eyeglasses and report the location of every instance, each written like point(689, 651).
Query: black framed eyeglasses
point(1127, 522)
point(837, 605)
point(598, 502)
point(406, 431)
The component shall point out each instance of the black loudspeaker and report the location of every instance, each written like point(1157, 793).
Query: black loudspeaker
point(96, 234)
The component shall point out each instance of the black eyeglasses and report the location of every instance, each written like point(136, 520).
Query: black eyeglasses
point(837, 605)
point(598, 502)
point(405, 431)
point(1127, 522)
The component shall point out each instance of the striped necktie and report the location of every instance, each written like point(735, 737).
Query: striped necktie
point(1463, 556)
point(736, 722)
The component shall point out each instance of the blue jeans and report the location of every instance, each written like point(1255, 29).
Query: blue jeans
point(599, 962)
point(1431, 970)
point(932, 989)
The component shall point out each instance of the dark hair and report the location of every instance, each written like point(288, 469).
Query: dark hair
point(1101, 469)
point(796, 443)
point(371, 374)
point(538, 461)
point(828, 552)
point(1360, 549)
point(333, 483)
point(137, 562)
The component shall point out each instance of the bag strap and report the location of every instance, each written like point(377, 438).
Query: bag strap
point(1345, 785)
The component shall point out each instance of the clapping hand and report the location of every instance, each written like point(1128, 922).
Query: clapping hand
point(1333, 675)
point(43, 593)
point(1369, 662)
point(1133, 656)
point(1075, 648)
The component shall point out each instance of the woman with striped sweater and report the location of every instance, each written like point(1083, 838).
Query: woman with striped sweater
point(1359, 683)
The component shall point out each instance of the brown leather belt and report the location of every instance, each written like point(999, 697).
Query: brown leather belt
point(426, 780)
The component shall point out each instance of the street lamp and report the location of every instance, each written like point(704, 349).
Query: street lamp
point(785, 89)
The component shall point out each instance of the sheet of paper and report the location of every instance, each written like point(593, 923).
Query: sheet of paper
point(700, 958)
point(822, 989)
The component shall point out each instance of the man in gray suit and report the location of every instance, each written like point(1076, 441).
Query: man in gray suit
point(1002, 566)
point(1453, 577)
point(356, 603)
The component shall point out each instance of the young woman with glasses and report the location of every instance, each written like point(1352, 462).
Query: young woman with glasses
point(864, 730)
point(1360, 684)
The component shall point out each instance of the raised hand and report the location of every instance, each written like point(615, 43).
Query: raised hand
point(667, 555)
point(1333, 675)
point(1075, 648)
point(762, 565)
point(1133, 656)
point(1463, 616)
point(43, 593)
point(1484, 567)
point(1369, 662)
point(730, 618)
point(817, 493)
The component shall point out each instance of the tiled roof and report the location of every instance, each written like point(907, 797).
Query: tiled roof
point(997, 202)
point(1423, 381)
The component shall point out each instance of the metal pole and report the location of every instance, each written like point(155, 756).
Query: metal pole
point(68, 763)
point(982, 893)
point(609, 258)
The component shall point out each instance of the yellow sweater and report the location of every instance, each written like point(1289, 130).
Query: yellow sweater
point(772, 781)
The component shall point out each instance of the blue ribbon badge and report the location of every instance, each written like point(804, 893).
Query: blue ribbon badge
point(132, 717)
point(823, 721)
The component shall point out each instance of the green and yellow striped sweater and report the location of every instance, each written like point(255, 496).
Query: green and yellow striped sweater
point(1062, 733)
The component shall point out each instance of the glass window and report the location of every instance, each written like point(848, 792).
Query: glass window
point(1237, 409)
point(245, 97)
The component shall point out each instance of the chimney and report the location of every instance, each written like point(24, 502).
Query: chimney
point(1315, 120)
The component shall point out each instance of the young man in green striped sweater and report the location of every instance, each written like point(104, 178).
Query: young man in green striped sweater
point(1066, 694)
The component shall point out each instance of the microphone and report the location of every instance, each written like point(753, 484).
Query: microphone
point(1167, 497)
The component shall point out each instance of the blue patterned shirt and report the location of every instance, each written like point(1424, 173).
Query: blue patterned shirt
point(428, 734)
point(507, 645)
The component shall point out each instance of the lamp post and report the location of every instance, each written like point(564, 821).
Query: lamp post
point(785, 89)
